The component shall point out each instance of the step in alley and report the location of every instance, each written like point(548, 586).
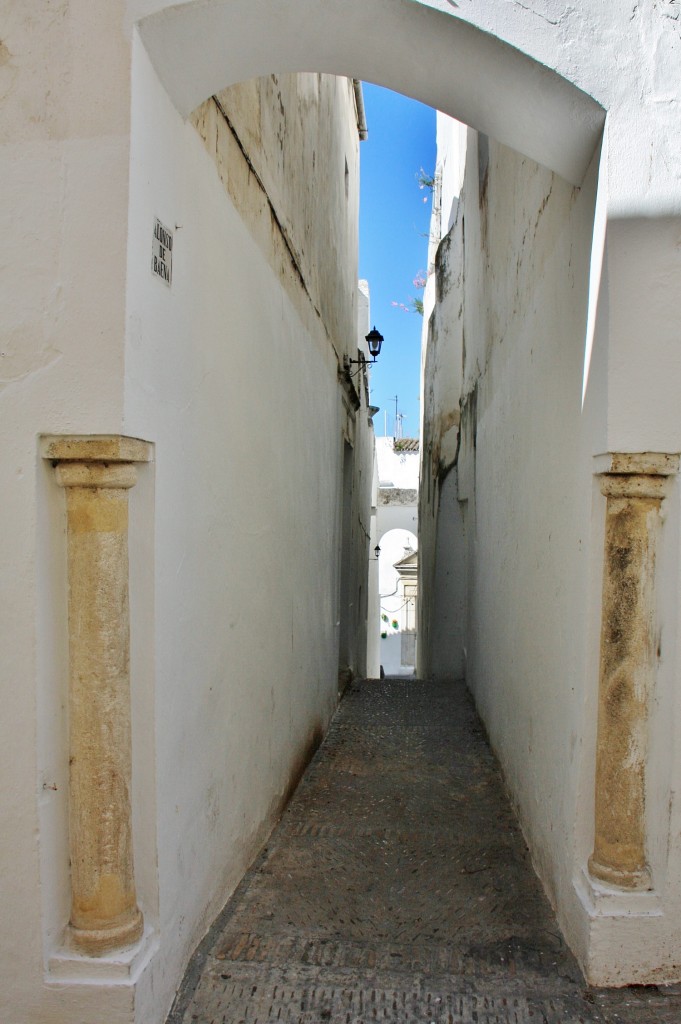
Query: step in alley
point(397, 887)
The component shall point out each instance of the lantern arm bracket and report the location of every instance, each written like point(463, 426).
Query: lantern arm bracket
point(359, 363)
point(374, 340)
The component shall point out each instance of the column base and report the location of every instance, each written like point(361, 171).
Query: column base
point(623, 936)
point(119, 967)
point(601, 900)
point(96, 941)
point(632, 881)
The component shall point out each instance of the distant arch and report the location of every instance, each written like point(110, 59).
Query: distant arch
point(397, 517)
point(400, 538)
point(416, 47)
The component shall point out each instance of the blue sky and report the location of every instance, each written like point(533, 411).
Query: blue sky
point(393, 229)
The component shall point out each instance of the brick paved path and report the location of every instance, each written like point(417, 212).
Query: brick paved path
point(398, 888)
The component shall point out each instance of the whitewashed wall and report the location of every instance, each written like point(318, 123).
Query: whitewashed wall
point(442, 563)
point(233, 374)
point(525, 472)
point(442, 608)
point(64, 130)
point(511, 532)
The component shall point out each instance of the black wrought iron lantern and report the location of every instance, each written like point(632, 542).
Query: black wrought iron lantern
point(374, 340)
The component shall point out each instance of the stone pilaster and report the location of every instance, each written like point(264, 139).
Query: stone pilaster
point(634, 487)
point(97, 473)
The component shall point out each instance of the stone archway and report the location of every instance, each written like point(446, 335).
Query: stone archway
point(472, 74)
point(508, 84)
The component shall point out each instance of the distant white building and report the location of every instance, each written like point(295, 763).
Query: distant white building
point(397, 462)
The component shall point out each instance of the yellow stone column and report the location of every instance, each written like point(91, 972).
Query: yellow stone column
point(634, 488)
point(97, 472)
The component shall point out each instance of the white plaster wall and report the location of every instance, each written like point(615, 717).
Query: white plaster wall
point(443, 583)
point(448, 178)
point(64, 154)
point(442, 564)
point(524, 472)
point(391, 657)
point(231, 373)
point(396, 468)
point(534, 536)
point(528, 483)
point(530, 524)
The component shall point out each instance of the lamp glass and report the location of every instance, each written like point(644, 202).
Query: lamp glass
point(374, 340)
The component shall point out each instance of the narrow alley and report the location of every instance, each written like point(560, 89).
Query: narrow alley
point(398, 887)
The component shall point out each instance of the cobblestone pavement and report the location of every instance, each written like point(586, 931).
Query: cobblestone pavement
point(398, 887)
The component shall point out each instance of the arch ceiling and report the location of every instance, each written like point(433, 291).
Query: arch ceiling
point(412, 47)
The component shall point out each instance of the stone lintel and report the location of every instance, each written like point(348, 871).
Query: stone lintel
point(638, 463)
point(398, 496)
point(95, 448)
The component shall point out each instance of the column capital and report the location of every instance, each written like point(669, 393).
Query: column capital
point(122, 475)
point(633, 485)
point(95, 448)
point(636, 474)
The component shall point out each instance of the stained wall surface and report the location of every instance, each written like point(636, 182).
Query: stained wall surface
point(512, 530)
point(442, 562)
point(525, 476)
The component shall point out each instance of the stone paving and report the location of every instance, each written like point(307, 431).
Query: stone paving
point(398, 887)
